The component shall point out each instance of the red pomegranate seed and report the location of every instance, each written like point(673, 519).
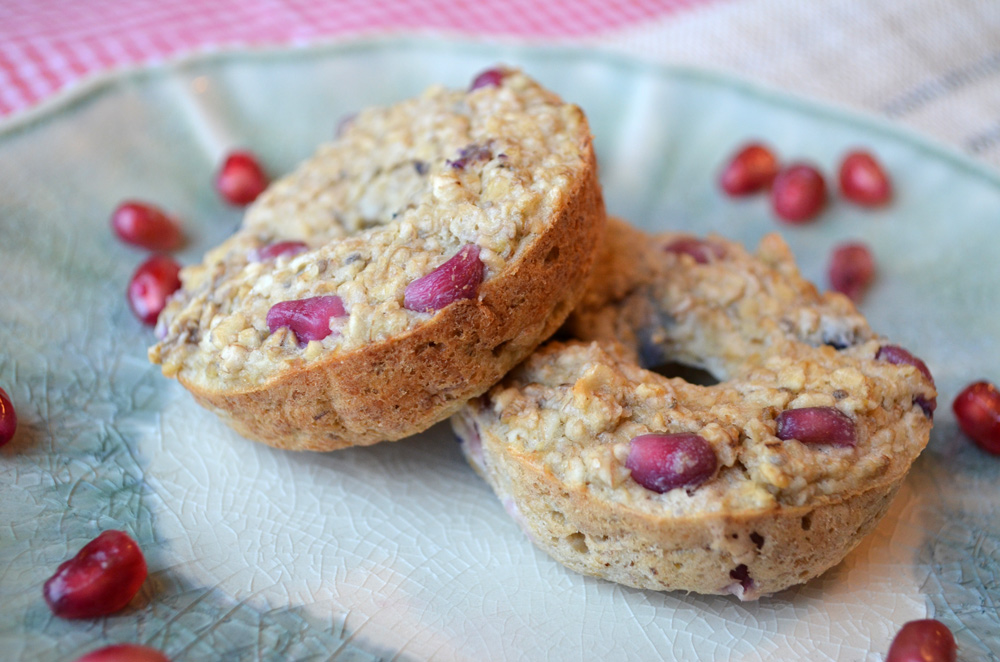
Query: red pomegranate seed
point(701, 250)
point(101, 579)
point(240, 179)
point(898, 356)
point(852, 269)
point(977, 409)
point(926, 640)
point(662, 462)
point(151, 285)
point(488, 78)
point(146, 226)
point(272, 251)
point(309, 319)
point(817, 425)
point(124, 653)
point(458, 278)
point(798, 194)
point(863, 180)
point(8, 418)
point(751, 169)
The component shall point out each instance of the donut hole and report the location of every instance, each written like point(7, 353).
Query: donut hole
point(578, 542)
point(690, 374)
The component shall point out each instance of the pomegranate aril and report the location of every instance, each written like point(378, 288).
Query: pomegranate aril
point(144, 225)
point(240, 179)
point(471, 154)
point(977, 409)
point(488, 78)
point(798, 194)
point(926, 640)
point(863, 180)
point(309, 319)
point(662, 462)
point(458, 278)
point(701, 250)
point(151, 285)
point(101, 579)
point(817, 425)
point(751, 169)
point(852, 269)
point(124, 653)
point(898, 356)
point(277, 249)
point(8, 418)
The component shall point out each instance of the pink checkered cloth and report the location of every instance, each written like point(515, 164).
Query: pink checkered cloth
point(46, 45)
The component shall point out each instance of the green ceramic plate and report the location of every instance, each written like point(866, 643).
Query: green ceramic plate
point(399, 551)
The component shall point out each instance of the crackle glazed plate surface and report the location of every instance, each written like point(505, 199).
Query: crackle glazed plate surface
point(399, 551)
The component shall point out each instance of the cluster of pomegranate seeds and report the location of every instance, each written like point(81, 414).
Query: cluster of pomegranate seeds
point(863, 181)
point(488, 78)
point(701, 250)
point(817, 425)
point(151, 285)
point(852, 269)
point(8, 418)
point(751, 170)
point(458, 278)
point(798, 193)
point(277, 249)
point(662, 462)
point(101, 579)
point(977, 409)
point(124, 653)
point(240, 179)
point(309, 319)
point(926, 640)
point(146, 226)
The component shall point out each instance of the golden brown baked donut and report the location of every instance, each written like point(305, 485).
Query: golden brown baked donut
point(746, 486)
point(401, 270)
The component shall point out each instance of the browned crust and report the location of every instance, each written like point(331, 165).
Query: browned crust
point(393, 389)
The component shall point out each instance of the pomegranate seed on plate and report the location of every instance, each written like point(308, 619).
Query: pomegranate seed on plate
point(101, 579)
point(751, 169)
point(852, 269)
point(124, 653)
point(146, 226)
point(863, 180)
point(662, 462)
point(8, 418)
point(488, 78)
point(798, 194)
point(309, 319)
point(272, 251)
point(240, 179)
point(817, 425)
point(151, 285)
point(926, 640)
point(701, 250)
point(458, 278)
point(977, 409)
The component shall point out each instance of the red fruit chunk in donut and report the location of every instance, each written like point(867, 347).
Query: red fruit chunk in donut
point(701, 250)
point(102, 578)
point(309, 319)
point(750, 170)
point(151, 285)
point(146, 226)
point(272, 251)
point(488, 78)
point(852, 269)
point(977, 409)
point(124, 653)
point(817, 425)
point(240, 179)
point(863, 181)
point(926, 640)
point(458, 278)
point(798, 194)
point(662, 462)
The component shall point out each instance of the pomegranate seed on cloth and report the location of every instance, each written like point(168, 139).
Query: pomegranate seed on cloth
point(8, 418)
point(799, 193)
point(701, 250)
point(926, 640)
point(240, 179)
point(124, 653)
point(817, 425)
point(751, 169)
point(851, 270)
point(146, 226)
point(662, 462)
point(277, 249)
point(309, 319)
point(863, 181)
point(458, 278)
point(151, 285)
point(977, 409)
point(101, 579)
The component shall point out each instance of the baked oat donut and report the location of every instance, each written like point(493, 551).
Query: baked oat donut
point(746, 486)
point(401, 270)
